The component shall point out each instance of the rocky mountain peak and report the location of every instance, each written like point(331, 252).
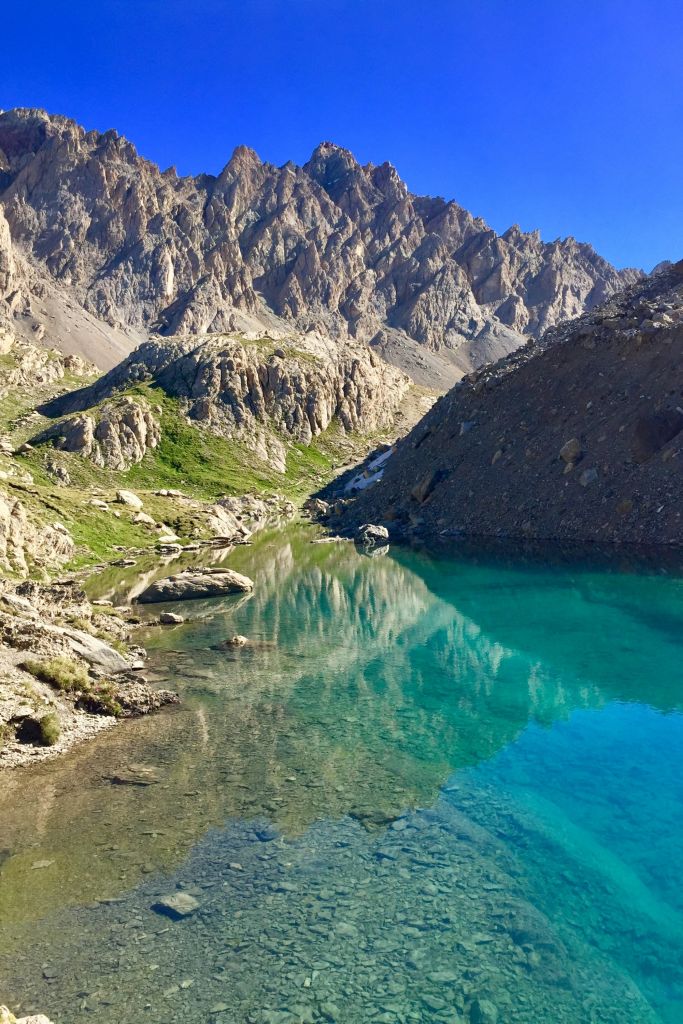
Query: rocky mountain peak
point(334, 246)
point(244, 160)
point(332, 166)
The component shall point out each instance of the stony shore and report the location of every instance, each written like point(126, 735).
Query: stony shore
point(68, 669)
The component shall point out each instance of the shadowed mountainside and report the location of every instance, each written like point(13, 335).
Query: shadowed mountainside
point(577, 437)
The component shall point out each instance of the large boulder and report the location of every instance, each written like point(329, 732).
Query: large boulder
point(316, 507)
point(96, 652)
point(196, 583)
point(6, 1017)
point(369, 535)
point(130, 499)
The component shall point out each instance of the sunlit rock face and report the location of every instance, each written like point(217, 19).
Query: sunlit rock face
point(117, 436)
point(332, 245)
point(255, 390)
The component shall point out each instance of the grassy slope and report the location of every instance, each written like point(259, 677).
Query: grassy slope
point(188, 458)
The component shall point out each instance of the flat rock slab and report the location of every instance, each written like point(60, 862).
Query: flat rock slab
point(136, 775)
point(196, 584)
point(8, 1018)
point(176, 906)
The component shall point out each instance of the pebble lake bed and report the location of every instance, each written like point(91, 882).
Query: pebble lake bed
point(427, 788)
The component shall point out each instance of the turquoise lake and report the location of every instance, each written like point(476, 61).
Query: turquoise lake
point(430, 789)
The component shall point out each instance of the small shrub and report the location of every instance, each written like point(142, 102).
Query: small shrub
point(78, 622)
point(100, 699)
point(50, 729)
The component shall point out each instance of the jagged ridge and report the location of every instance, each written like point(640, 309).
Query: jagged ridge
point(332, 245)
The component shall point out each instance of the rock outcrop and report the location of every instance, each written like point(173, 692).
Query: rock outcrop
point(32, 367)
point(578, 437)
point(257, 390)
point(115, 436)
point(332, 245)
point(10, 292)
point(26, 545)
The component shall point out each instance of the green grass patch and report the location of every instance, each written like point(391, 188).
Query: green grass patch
point(68, 676)
point(190, 458)
point(193, 459)
point(61, 672)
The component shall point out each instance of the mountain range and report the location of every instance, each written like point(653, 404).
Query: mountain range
point(99, 248)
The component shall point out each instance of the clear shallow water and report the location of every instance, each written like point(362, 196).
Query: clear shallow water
point(427, 789)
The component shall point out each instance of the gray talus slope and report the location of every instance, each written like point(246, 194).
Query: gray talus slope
point(578, 437)
point(41, 309)
point(333, 245)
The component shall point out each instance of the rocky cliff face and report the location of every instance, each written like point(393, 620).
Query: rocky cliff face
point(258, 390)
point(333, 245)
point(26, 546)
point(39, 308)
point(8, 268)
point(115, 436)
point(577, 437)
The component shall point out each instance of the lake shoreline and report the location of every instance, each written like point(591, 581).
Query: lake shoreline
point(70, 669)
point(467, 772)
point(80, 726)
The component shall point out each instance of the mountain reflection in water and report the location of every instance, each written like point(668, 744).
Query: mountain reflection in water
point(371, 689)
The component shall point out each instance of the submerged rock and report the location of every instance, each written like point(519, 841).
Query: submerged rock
point(176, 906)
point(195, 584)
point(238, 640)
point(136, 775)
point(170, 619)
point(483, 1011)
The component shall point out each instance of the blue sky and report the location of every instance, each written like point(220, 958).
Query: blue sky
point(559, 114)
